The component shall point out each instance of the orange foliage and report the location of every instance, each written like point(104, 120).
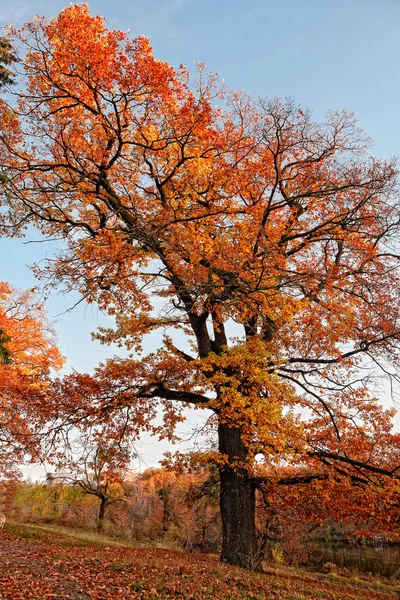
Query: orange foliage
point(25, 373)
point(186, 211)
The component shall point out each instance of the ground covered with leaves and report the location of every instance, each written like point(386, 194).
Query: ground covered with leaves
point(38, 566)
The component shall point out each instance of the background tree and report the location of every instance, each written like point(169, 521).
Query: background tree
point(222, 211)
point(28, 359)
point(5, 355)
point(7, 58)
point(98, 469)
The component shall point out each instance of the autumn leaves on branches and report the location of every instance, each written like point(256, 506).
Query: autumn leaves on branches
point(186, 208)
point(28, 357)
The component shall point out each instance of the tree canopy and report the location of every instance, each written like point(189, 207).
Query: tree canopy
point(189, 208)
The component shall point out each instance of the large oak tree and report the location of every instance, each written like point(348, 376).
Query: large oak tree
point(188, 208)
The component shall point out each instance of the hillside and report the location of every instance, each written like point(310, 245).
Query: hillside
point(36, 563)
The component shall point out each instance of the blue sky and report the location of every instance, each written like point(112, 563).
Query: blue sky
point(323, 53)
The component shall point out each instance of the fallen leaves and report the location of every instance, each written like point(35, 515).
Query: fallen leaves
point(44, 570)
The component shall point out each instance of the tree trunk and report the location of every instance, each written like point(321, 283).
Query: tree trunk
point(102, 512)
point(237, 504)
point(164, 494)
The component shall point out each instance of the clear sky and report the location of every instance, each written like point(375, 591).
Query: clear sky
point(323, 53)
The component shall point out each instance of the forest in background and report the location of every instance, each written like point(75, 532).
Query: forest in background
point(179, 511)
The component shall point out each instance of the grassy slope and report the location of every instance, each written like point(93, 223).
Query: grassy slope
point(104, 569)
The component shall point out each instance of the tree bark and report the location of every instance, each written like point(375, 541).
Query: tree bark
point(237, 504)
point(164, 495)
point(102, 512)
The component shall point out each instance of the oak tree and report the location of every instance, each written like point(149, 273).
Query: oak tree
point(187, 208)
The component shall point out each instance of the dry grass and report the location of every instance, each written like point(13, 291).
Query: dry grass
point(66, 536)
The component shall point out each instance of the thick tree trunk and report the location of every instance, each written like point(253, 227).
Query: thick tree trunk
point(165, 496)
point(238, 504)
point(102, 512)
